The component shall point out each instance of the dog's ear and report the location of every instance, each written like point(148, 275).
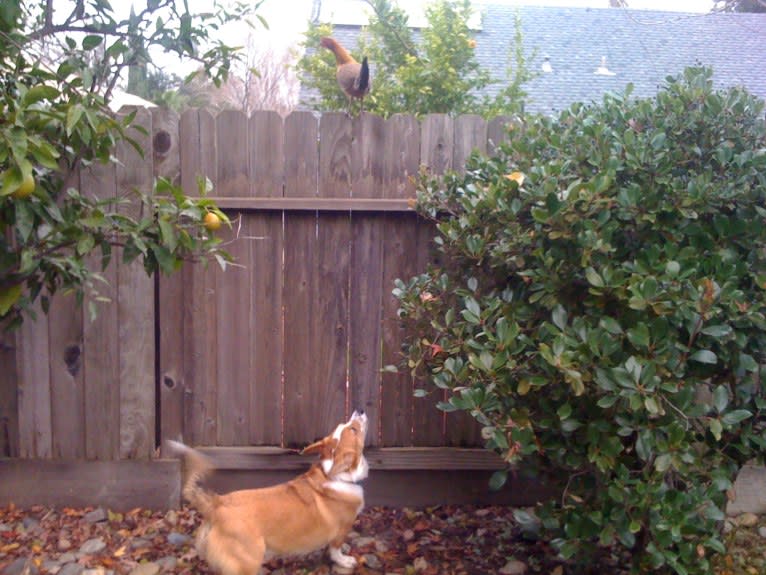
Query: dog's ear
point(322, 447)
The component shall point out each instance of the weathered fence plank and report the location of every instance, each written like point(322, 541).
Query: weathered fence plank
point(135, 302)
point(498, 132)
point(315, 396)
point(301, 179)
point(65, 320)
point(171, 292)
point(403, 157)
point(266, 149)
point(33, 368)
point(367, 181)
point(101, 369)
point(9, 409)
point(200, 374)
point(233, 287)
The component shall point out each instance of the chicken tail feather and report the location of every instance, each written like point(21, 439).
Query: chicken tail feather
point(363, 80)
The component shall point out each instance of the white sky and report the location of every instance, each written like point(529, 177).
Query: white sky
point(287, 19)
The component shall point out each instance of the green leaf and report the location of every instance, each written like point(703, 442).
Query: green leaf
point(498, 479)
point(717, 330)
point(91, 42)
point(8, 297)
point(662, 462)
point(611, 325)
point(73, 115)
point(652, 406)
point(639, 335)
point(607, 401)
point(564, 411)
point(559, 317)
point(593, 277)
point(721, 398)
point(38, 93)
point(704, 356)
point(736, 416)
point(715, 428)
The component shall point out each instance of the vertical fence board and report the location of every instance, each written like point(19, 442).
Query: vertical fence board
point(135, 302)
point(101, 347)
point(267, 163)
point(301, 172)
point(171, 295)
point(403, 154)
point(233, 287)
point(331, 276)
point(498, 132)
point(470, 135)
point(198, 159)
point(67, 385)
point(437, 152)
point(34, 400)
point(9, 418)
point(368, 181)
point(320, 401)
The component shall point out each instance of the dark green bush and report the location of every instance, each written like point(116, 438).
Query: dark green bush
point(601, 312)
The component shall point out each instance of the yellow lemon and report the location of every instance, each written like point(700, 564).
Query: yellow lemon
point(26, 188)
point(211, 221)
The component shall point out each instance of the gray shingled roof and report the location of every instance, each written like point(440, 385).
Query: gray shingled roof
point(642, 47)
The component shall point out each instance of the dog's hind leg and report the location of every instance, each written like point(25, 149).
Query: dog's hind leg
point(230, 556)
point(340, 558)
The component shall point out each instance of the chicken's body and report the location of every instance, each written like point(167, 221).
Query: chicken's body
point(353, 77)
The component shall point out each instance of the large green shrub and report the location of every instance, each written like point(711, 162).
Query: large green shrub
point(600, 310)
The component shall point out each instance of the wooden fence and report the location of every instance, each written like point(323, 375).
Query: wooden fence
point(269, 354)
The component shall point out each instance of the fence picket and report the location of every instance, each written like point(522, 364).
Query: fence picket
point(171, 290)
point(367, 181)
point(198, 159)
point(233, 291)
point(101, 368)
point(33, 368)
point(135, 302)
point(266, 145)
point(65, 321)
point(301, 180)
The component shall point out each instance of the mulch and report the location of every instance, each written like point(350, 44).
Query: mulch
point(445, 540)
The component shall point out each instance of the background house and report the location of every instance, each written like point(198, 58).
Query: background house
point(586, 52)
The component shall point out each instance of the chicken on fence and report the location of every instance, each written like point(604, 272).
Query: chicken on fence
point(353, 77)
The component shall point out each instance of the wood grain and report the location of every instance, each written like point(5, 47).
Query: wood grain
point(198, 159)
point(9, 409)
point(367, 231)
point(101, 367)
point(34, 391)
point(266, 150)
point(233, 288)
point(301, 180)
point(171, 293)
point(67, 376)
point(135, 304)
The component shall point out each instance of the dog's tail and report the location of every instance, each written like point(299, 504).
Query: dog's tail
point(198, 466)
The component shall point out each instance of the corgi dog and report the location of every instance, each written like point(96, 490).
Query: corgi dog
point(242, 529)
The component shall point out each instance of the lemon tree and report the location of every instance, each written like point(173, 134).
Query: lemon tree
point(59, 63)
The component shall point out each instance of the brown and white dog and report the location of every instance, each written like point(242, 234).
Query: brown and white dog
point(242, 529)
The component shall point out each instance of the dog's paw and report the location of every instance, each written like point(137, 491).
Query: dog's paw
point(342, 560)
